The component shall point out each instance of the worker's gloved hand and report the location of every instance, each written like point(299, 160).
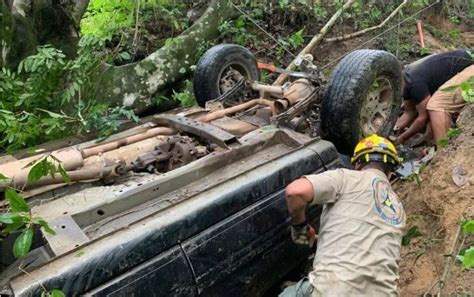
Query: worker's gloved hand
point(303, 234)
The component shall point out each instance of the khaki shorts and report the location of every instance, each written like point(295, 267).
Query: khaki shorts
point(451, 101)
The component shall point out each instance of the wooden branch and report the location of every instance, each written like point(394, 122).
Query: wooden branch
point(367, 30)
point(135, 35)
point(314, 42)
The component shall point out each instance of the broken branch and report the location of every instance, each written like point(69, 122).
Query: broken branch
point(367, 30)
point(313, 43)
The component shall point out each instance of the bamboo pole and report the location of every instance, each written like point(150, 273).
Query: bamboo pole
point(313, 43)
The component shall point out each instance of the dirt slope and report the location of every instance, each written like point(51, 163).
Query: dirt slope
point(435, 207)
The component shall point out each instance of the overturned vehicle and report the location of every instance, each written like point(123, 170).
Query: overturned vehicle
point(192, 201)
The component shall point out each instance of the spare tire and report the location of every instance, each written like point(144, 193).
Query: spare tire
point(213, 78)
point(363, 97)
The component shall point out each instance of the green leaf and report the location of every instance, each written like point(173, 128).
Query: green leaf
point(468, 227)
point(467, 259)
point(37, 171)
point(46, 226)
point(18, 222)
point(42, 168)
point(57, 293)
point(22, 244)
point(443, 142)
point(17, 203)
point(412, 233)
point(52, 114)
point(64, 174)
point(3, 177)
point(8, 218)
point(53, 293)
point(125, 56)
point(453, 132)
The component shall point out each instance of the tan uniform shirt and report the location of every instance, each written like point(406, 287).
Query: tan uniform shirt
point(360, 234)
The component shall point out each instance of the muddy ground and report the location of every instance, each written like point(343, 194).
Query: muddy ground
point(436, 206)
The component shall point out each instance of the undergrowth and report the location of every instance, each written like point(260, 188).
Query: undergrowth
point(43, 100)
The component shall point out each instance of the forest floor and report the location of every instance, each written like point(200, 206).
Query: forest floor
point(435, 208)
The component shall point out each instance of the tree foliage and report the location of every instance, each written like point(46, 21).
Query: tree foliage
point(44, 99)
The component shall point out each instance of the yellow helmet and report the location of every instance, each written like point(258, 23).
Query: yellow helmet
point(376, 148)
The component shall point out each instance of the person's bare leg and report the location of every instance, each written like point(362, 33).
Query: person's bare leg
point(409, 114)
point(440, 123)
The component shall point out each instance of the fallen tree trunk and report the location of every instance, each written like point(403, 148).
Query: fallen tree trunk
point(27, 24)
point(135, 84)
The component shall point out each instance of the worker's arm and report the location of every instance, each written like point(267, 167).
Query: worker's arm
point(298, 195)
point(312, 189)
point(419, 124)
point(409, 114)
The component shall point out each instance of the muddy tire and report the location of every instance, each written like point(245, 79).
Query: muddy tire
point(363, 97)
point(211, 78)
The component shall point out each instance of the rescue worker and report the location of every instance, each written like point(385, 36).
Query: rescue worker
point(361, 225)
point(424, 98)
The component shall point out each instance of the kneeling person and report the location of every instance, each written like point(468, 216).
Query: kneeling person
point(424, 93)
point(361, 225)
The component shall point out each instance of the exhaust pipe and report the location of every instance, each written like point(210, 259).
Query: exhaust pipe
point(300, 89)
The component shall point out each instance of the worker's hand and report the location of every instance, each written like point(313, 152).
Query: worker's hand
point(400, 140)
point(303, 234)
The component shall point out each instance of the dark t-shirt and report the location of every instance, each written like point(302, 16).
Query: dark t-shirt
point(425, 76)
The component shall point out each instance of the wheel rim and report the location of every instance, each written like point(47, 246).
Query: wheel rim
point(377, 106)
point(230, 76)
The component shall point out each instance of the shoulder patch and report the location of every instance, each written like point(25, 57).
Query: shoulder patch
point(387, 204)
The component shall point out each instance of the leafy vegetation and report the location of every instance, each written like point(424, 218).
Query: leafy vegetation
point(411, 233)
point(452, 133)
point(126, 26)
point(53, 293)
point(19, 217)
point(104, 18)
point(44, 98)
point(107, 19)
point(467, 255)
